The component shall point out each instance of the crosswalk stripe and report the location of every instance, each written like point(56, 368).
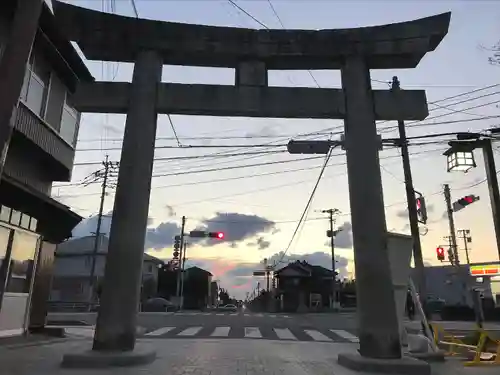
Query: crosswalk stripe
point(316, 335)
point(191, 331)
point(221, 332)
point(220, 314)
point(284, 334)
point(259, 315)
point(253, 332)
point(272, 316)
point(233, 314)
point(345, 335)
point(159, 331)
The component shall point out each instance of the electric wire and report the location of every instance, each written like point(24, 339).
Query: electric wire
point(308, 205)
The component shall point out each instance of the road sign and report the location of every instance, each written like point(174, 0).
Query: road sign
point(485, 269)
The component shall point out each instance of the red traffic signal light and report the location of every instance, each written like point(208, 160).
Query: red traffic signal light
point(440, 253)
point(217, 235)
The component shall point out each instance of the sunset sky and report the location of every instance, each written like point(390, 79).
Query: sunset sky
point(258, 204)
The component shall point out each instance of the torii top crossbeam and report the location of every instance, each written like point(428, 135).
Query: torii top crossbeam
point(110, 37)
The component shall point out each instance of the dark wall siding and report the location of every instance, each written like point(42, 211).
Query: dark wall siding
point(26, 166)
point(41, 135)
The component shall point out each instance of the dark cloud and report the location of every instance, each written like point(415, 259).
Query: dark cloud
point(162, 236)
point(343, 240)
point(236, 227)
point(87, 227)
point(260, 243)
point(156, 238)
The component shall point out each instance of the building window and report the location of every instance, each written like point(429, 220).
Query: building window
point(69, 123)
point(33, 224)
point(4, 244)
point(5, 214)
point(22, 262)
point(15, 218)
point(35, 87)
point(25, 221)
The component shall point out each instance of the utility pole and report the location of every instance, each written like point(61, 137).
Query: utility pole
point(453, 241)
point(331, 233)
point(13, 67)
point(183, 269)
point(105, 174)
point(492, 177)
point(465, 235)
point(412, 207)
point(451, 221)
point(179, 269)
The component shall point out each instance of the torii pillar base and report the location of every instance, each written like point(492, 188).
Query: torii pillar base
point(400, 366)
point(93, 359)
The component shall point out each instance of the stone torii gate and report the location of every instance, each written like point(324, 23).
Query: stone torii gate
point(151, 44)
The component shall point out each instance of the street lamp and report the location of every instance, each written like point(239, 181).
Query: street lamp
point(460, 156)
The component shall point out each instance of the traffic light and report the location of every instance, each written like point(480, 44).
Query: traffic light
point(464, 202)
point(177, 248)
point(218, 235)
point(440, 253)
point(203, 234)
point(421, 209)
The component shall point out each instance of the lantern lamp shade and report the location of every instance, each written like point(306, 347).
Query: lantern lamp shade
point(459, 160)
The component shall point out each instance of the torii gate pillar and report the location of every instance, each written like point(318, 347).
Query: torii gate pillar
point(150, 44)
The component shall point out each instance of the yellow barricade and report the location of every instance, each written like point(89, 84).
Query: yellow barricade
point(485, 352)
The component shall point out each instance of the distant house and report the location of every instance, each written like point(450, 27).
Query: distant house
point(302, 287)
point(73, 264)
point(197, 288)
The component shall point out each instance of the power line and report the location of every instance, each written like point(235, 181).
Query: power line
point(308, 204)
point(257, 165)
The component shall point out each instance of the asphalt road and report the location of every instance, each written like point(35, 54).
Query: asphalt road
point(244, 325)
point(328, 327)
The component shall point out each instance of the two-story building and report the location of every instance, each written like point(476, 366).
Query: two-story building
point(41, 151)
point(72, 286)
point(302, 287)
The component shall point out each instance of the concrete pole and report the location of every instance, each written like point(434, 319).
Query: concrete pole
point(379, 334)
point(116, 322)
point(179, 268)
point(183, 270)
point(453, 244)
point(95, 250)
point(492, 177)
point(412, 207)
point(13, 67)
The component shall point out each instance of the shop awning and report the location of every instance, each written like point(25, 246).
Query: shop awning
point(55, 220)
